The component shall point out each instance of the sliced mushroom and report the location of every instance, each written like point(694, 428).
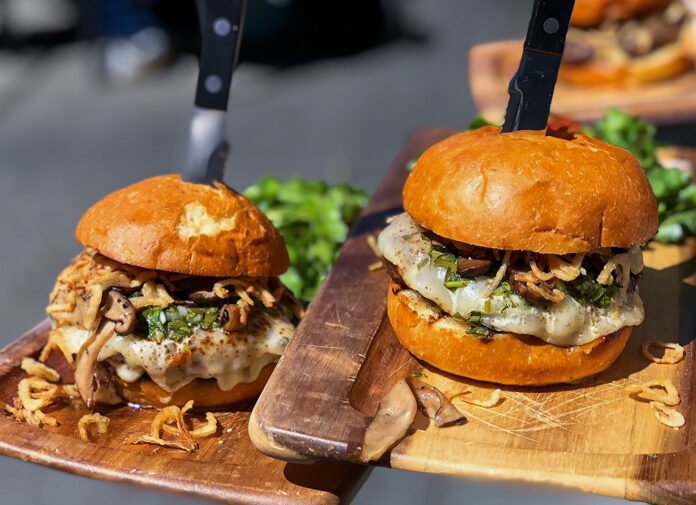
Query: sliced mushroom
point(234, 317)
point(86, 363)
point(204, 297)
point(395, 415)
point(436, 405)
point(118, 308)
point(471, 267)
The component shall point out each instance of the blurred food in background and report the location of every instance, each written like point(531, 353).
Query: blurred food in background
point(626, 41)
point(637, 55)
point(314, 218)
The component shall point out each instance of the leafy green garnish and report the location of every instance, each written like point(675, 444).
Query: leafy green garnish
point(176, 322)
point(628, 132)
point(588, 291)
point(476, 327)
point(675, 193)
point(448, 261)
point(314, 218)
point(479, 122)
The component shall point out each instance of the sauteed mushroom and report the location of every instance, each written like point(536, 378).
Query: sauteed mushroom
point(234, 317)
point(118, 308)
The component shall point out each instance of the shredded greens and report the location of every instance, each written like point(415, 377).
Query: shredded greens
point(674, 189)
point(314, 218)
point(588, 291)
point(176, 322)
point(446, 260)
point(476, 327)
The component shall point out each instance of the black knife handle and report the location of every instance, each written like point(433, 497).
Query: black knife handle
point(221, 22)
point(549, 25)
point(531, 88)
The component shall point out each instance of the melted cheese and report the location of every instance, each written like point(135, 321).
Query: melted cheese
point(565, 323)
point(230, 358)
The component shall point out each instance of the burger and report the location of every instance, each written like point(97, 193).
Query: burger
point(175, 297)
point(518, 256)
point(629, 41)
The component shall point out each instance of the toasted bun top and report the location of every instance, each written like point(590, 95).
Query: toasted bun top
point(528, 191)
point(166, 224)
point(588, 13)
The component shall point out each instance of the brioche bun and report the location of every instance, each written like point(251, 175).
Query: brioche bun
point(588, 13)
point(665, 63)
point(529, 191)
point(205, 393)
point(166, 224)
point(506, 358)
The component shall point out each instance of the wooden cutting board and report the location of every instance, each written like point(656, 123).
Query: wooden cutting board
point(345, 357)
point(492, 65)
point(226, 466)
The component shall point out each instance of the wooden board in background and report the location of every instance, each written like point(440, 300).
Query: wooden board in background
point(226, 466)
point(492, 65)
point(591, 436)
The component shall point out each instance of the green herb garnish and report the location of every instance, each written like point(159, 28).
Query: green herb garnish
point(590, 292)
point(176, 322)
point(476, 327)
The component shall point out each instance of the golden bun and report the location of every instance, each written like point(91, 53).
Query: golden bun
point(589, 13)
point(529, 191)
point(205, 393)
point(506, 358)
point(659, 65)
point(164, 223)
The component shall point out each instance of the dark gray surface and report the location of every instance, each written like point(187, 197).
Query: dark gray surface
point(66, 140)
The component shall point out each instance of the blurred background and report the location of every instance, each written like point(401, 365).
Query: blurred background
point(95, 95)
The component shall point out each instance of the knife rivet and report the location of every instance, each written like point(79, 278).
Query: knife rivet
point(222, 27)
point(551, 26)
point(213, 84)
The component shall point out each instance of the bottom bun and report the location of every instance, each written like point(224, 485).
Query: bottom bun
point(205, 393)
point(507, 358)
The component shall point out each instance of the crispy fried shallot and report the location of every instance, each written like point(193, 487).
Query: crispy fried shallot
point(668, 416)
point(92, 426)
point(493, 399)
point(35, 393)
point(660, 390)
point(170, 420)
point(395, 415)
point(38, 369)
point(435, 404)
point(672, 352)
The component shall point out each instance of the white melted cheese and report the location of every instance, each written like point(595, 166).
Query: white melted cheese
point(230, 358)
point(566, 323)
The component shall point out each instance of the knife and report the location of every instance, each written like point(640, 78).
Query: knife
point(221, 23)
point(531, 88)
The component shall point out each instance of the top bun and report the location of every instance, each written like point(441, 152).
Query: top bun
point(589, 13)
point(528, 191)
point(166, 224)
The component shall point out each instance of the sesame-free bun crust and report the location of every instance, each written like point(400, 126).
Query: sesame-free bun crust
point(205, 393)
point(588, 13)
point(442, 341)
point(528, 191)
point(166, 224)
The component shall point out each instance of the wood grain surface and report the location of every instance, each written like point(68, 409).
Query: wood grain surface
point(590, 436)
point(226, 466)
point(492, 65)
